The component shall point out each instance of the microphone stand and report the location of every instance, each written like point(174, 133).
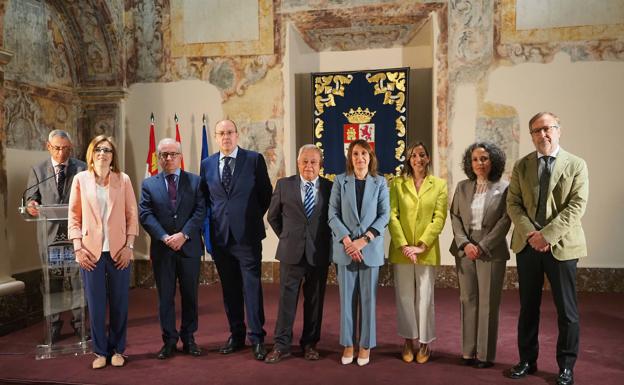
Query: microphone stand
point(22, 208)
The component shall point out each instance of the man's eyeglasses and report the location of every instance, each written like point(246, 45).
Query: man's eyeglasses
point(225, 133)
point(165, 155)
point(545, 129)
point(60, 148)
point(103, 150)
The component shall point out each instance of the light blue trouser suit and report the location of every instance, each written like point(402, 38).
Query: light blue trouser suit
point(358, 285)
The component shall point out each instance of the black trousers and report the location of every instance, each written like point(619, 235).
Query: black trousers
point(169, 270)
point(240, 268)
point(314, 280)
point(532, 265)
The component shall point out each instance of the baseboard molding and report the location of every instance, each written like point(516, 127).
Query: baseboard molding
point(589, 279)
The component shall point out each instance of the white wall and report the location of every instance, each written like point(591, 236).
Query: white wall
point(587, 96)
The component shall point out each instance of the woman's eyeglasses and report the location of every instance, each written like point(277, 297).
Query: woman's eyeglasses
point(103, 150)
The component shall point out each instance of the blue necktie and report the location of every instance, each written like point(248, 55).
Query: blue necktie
point(226, 175)
point(308, 200)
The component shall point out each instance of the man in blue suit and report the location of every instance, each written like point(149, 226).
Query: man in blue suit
point(238, 193)
point(171, 210)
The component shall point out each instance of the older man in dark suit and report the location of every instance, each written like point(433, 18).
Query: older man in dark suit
point(50, 183)
point(298, 215)
point(238, 193)
point(546, 200)
point(172, 210)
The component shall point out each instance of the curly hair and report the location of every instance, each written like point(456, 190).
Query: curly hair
point(497, 158)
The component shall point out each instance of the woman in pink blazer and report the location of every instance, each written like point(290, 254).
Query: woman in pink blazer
point(103, 223)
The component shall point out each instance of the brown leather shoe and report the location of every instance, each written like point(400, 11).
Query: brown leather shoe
point(310, 353)
point(424, 353)
point(408, 351)
point(276, 356)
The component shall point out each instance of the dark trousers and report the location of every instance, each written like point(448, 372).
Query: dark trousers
point(239, 268)
point(314, 280)
point(532, 265)
point(169, 269)
point(106, 284)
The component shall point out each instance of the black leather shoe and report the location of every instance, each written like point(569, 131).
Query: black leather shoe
point(259, 351)
point(276, 356)
point(566, 377)
point(522, 369)
point(166, 351)
point(483, 364)
point(468, 361)
point(192, 349)
point(231, 346)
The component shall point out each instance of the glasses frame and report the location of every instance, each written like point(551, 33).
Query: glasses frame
point(103, 150)
point(546, 129)
point(165, 155)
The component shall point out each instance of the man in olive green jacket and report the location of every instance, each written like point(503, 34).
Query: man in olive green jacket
point(546, 199)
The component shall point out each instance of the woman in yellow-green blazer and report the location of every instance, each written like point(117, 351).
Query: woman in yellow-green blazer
point(418, 209)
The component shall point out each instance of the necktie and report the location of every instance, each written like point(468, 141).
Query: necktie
point(226, 175)
point(172, 189)
point(544, 182)
point(308, 200)
point(60, 182)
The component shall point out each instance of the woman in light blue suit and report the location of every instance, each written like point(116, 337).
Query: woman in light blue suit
point(359, 209)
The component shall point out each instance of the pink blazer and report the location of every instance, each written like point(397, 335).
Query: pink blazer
point(84, 212)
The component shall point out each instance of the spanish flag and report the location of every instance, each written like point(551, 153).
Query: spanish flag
point(151, 165)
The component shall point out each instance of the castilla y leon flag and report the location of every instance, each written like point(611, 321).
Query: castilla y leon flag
point(359, 127)
point(179, 140)
point(151, 165)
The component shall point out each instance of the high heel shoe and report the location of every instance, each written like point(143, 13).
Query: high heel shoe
point(408, 351)
point(347, 355)
point(363, 357)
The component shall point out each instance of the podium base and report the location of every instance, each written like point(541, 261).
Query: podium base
point(44, 352)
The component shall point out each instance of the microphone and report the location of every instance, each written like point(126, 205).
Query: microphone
point(22, 208)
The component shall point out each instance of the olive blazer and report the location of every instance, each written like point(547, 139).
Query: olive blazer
point(567, 199)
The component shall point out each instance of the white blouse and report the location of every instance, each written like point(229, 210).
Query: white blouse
point(102, 199)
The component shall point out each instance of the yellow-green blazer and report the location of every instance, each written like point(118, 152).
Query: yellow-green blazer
point(417, 217)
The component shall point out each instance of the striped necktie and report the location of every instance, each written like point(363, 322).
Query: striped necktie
point(308, 200)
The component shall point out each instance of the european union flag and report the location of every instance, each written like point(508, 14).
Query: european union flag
point(206, 225)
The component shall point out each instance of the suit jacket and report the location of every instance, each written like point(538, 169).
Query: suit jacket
point(84, 212)
point(417, 217)
point(159, 218)
point(240, 211)
point(47, 193)
point(298, 235)
point(344, 218)
point(567, 199)
point(494, 227)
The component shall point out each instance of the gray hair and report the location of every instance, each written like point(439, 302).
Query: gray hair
point(308, 147)
point(167, 141)
point(59, 133)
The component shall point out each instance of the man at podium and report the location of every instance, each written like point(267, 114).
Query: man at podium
point(49, 183)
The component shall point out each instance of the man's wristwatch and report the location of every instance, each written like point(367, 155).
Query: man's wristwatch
point(186, 237)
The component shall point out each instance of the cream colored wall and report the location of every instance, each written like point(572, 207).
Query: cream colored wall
point(21, 236)
point(587, 96)
point(189, 99)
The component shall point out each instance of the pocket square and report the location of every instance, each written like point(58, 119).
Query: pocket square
point(497, 192)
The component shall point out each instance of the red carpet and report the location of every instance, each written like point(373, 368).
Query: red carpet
point(600, 362)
